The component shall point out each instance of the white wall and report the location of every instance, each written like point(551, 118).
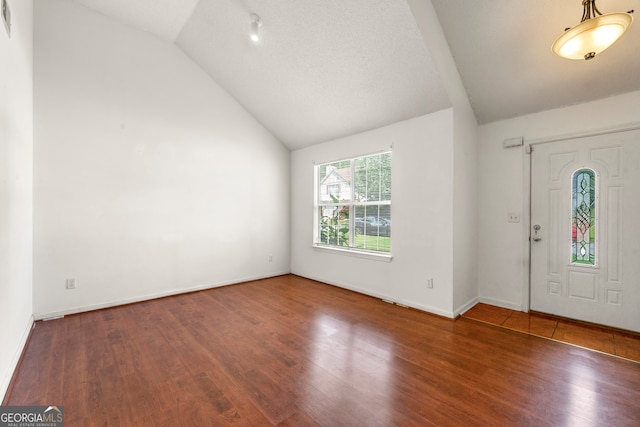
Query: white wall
point(502, 246)
point(16, 145)
point(465, 147)
point(149, 178)
point(422, 216)
point(465, 208)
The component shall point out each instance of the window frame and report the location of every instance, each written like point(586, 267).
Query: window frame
point(352, 204)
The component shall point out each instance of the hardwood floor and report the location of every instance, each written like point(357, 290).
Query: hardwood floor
point(289, 351)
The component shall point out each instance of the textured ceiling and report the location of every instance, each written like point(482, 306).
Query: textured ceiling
point(164, 18)
point(331, 68)
point(323, 70)
point(502, 49)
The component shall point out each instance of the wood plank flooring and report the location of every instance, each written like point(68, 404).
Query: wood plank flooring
point(288, 351)
point(600, 338)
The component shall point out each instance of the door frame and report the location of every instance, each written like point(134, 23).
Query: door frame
point(527, 160)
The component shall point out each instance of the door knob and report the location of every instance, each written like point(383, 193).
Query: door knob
point(536, 228)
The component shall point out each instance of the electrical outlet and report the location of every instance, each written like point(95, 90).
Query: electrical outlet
point(270, 258)
point(430, 283)
point(71, 284)
point(514, 217)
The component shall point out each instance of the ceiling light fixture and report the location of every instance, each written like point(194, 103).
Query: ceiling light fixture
point(593, 34)
point(256, 23)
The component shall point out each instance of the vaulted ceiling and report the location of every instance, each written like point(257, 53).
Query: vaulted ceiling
point(332, 68)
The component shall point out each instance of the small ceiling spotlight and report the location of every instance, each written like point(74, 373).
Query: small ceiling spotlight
point(593, 34)
point(256, 23)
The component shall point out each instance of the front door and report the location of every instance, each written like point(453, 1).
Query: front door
point(585, 229)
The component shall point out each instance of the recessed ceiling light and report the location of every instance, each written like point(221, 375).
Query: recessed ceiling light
point(256, 23)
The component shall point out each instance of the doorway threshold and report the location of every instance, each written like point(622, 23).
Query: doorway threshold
point(625, 345)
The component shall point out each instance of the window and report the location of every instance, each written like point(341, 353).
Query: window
point(353, 204)
point(583, 217)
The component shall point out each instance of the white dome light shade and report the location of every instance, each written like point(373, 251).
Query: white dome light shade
point(592, 36)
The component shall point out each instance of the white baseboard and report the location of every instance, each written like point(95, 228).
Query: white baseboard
point(466, 306)
point(501, 303)
point(388, 298)
point(115, 303)
point(4, 387)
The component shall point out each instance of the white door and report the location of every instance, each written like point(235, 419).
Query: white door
point(585, 229)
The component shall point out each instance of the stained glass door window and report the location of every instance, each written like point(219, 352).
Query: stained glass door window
point(583, 217)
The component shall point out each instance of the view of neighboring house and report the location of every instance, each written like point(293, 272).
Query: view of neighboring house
point(337, 183)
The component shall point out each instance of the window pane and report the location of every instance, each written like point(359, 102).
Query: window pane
point(335, 182)
point(360, 179)
point(373, 227)
point(385, 176)
point(334, 225)
point(373, 178)
point(583, 218)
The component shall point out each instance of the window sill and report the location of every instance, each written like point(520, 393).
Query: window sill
point(384, 257)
